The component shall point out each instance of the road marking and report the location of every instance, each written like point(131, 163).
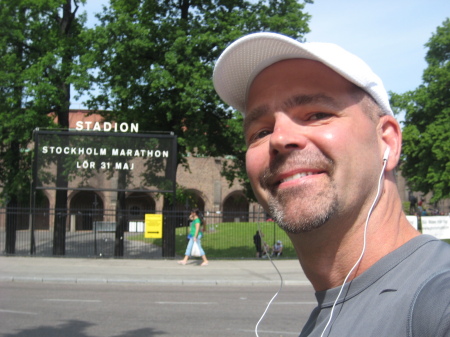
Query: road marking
point(188, 303)
point(295, 303)
point(68, 300)
point(18, 312)
point(281, 333)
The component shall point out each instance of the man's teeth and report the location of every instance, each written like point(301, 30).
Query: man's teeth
point(297, 176)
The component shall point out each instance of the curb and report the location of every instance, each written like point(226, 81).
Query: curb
point(168, 282)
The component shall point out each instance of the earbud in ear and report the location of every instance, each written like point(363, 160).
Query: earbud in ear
point(386, 153)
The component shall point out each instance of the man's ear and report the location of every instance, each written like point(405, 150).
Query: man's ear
point(391, 136)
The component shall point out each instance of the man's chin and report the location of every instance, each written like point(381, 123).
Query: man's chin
point(298, 227)
point(297, 220)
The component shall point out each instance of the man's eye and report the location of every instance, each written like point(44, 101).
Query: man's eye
point(259, 135)
point(319, 116)
point(262, 134)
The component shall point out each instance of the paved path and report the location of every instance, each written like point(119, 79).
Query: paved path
point(160, 272)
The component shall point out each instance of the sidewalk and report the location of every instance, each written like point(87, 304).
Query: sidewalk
point(157, 272)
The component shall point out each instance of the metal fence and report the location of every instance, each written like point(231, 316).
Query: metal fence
point(93, 233)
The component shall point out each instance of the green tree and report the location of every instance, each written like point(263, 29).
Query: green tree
point(154, 62)
point(39, 45)
point(426, 133)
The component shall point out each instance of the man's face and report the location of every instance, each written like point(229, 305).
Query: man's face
point(312, 152)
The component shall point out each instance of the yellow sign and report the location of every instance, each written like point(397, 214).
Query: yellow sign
point(153, 226)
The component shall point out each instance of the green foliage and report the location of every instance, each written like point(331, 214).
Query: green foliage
point(155, 61)
point(426, 133)
point(38, 45)
point(406, 206)
point(150, 62)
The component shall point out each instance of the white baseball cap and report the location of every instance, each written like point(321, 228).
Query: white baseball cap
point(246, 57)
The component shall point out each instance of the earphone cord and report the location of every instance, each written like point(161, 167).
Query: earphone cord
point(274, 296)
point(363, 249)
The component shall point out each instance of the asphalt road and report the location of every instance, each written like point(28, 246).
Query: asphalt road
point(138, 310)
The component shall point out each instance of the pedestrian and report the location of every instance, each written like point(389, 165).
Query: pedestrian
point(419, 206)
point(412, 204)
point(277, 249)
point(322, 147)
point(257, 242)
point(195, 237)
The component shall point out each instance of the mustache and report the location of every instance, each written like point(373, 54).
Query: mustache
point(293, 160)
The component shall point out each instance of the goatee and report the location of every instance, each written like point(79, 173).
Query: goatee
point(297, 209)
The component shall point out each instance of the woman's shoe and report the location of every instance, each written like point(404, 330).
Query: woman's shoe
point(182, 262)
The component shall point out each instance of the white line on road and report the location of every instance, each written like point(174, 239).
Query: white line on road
point(70, 300)
point(295, 303)
point(18, 312)
point(188, 303)
point(281, 333)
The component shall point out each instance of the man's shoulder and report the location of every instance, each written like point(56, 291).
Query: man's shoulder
point(430, 309)
point(433, 248)
point(422, 254)
point(430, 312)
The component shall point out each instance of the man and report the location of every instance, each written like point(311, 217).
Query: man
point(277, 249)
point(322, 148)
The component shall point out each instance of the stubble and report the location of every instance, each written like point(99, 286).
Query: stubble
point(303, 208)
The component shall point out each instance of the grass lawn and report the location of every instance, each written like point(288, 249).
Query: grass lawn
point(230, 240)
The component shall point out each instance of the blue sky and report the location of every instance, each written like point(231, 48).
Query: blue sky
point(388, 34)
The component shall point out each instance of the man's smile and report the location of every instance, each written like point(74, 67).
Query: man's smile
point(297, 176)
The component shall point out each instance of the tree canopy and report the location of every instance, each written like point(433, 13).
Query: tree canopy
point(147, 61)
point(153, 64)
point(426, 133)
point(38, 43)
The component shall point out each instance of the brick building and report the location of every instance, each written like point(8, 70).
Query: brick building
point(206, 188)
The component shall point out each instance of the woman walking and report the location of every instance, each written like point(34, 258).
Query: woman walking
point(195, 235)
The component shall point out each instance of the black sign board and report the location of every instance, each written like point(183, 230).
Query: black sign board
point(95, 160)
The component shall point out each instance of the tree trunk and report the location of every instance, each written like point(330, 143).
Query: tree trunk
point(59, 233)
point(169, 214)
point(59, 237)
point(11, 225)
point(121, 218)
point(169, 225)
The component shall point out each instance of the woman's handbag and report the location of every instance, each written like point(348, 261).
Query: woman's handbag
point(195, 250)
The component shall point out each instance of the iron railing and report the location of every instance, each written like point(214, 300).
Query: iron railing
point(94, 233)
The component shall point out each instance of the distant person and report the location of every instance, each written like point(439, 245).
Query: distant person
point(322, 148)
point(277, 249)
point(257, 242)
point(412, 204)
point(420, 206)
point(195, 235)
point(266, 250)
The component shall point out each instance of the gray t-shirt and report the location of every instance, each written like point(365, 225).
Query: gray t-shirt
point(406, 293)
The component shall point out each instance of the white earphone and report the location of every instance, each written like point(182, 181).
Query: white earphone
point(386, 153)
point(385, 158)
point(379, 189)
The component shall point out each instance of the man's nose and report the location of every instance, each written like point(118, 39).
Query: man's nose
point(287, 135)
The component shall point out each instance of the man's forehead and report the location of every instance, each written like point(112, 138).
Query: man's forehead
point(301, 82)
point(290, 102)
point(298, 72)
